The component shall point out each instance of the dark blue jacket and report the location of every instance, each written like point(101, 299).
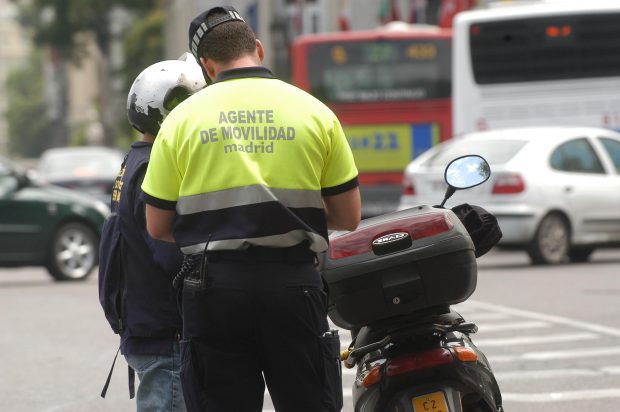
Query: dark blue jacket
point(152, 319)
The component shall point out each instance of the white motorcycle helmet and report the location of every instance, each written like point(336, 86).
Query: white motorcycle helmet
point(160, 88)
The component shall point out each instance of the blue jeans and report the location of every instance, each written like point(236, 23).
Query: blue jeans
point(160, 384)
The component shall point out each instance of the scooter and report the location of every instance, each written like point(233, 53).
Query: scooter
point(392, 282)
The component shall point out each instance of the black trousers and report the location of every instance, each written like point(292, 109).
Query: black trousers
point(255, 324)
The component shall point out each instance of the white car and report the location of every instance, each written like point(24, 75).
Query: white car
point(554, 190)
point(89, 169)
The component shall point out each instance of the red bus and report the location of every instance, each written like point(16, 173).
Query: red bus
point(391, 90)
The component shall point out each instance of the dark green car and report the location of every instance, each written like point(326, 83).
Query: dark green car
point(45, 225)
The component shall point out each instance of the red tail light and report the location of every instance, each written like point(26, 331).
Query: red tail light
point(408, 188)
point(509, 184)
point(417, 361)
point(360, 241)
point(389, 178)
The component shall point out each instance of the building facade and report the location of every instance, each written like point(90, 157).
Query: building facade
point(278, 22)
point(14, 49)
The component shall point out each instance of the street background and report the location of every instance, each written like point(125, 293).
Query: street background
point(552, 335)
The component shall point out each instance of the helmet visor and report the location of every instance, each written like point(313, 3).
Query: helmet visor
point(175, 96)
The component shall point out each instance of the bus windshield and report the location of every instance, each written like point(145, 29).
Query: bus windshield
point(391, 89)
point(379, 70)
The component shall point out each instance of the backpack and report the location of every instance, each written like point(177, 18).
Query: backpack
point(112, 285)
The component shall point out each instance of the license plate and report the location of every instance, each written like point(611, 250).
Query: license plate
point(431, 402)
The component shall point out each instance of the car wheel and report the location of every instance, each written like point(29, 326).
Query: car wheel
point(581, 254)
point(551, 242)
point(73, 252)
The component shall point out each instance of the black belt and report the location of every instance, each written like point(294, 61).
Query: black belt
point(295, 254)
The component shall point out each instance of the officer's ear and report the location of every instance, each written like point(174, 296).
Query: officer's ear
point(260, 50)
point(209, 67)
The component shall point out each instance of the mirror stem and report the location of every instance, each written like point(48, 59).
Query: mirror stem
point(449, 192)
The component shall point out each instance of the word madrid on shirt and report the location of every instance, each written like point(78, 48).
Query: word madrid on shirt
point(249, 131)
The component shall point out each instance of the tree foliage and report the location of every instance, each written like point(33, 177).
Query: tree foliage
point(143, 45)
point(27, 122)
point(56, 22)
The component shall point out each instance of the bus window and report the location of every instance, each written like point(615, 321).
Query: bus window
point(546, 48)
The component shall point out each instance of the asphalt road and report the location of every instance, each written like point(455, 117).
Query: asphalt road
point(552, 335)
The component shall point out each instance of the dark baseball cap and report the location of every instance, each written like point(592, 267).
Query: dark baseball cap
point(199, 27)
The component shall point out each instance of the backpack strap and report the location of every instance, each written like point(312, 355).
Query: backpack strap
point(123, 280)
point(107, 381)
point(131, 374)
point(131, 382)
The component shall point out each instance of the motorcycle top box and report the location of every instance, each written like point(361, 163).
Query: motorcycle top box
point(397, 264)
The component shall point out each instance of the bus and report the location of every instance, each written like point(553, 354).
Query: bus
point(390, 88)
point(550, 63)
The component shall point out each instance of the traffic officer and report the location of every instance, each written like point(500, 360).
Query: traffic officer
point(249, 174)
point(147, 318)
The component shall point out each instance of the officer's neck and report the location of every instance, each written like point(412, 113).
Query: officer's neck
point(248, 60)
point(147, 137)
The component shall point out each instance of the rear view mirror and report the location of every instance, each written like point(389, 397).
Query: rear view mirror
point(467, 171)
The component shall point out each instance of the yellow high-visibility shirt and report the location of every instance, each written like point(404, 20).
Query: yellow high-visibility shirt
point(246, 161)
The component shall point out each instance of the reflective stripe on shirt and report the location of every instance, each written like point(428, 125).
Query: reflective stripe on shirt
point(247, 195)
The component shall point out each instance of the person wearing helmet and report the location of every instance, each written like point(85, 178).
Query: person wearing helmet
point(249, 174)
point(138, 297)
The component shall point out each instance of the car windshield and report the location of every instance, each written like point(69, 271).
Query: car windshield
point(494, 151)
point(81, 165)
